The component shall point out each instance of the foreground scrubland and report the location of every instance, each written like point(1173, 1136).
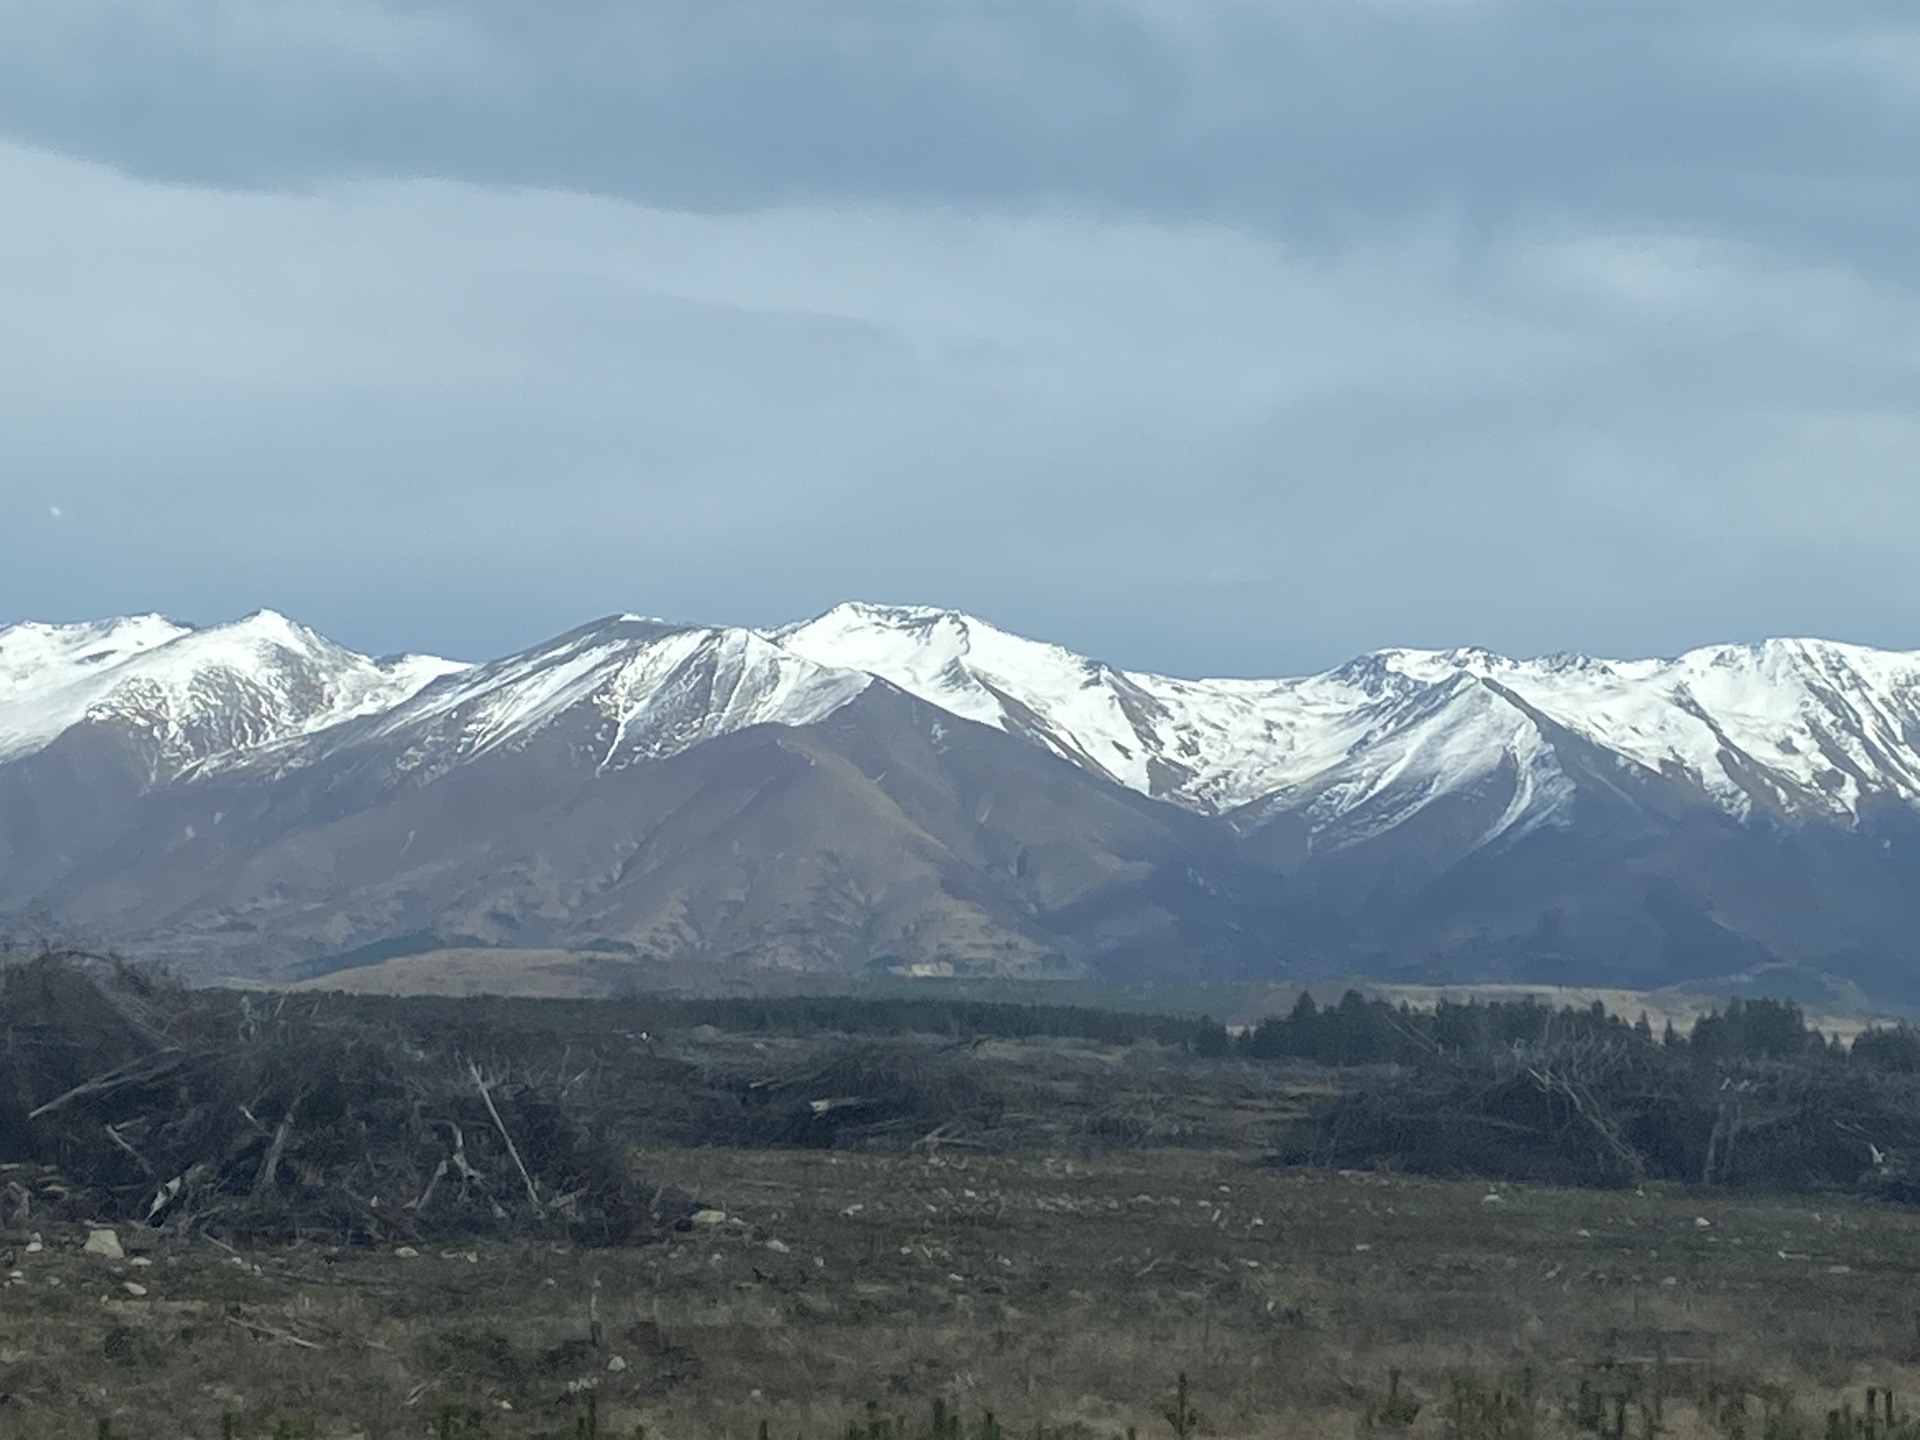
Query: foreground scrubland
point(852, 1225)
point(1048, 1290)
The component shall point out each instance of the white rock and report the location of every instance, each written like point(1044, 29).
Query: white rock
point(133, 1288)
point(709, 1217)
point(406, 1252)
point(104, 1243)
point(617, 1364)
point(778, 1247)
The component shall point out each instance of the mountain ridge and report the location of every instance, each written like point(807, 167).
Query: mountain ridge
point(1424, 811)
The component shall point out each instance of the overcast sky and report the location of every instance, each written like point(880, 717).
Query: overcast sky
point(1214, 336)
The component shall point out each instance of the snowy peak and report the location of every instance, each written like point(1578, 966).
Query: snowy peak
point(1796, 729)
point(629, 689)
point(964, 665)
point(50, 674)
point(1209, 745)
point(1786, 727)
point(1458, 738)
point(183, 697)
point(1783, 727)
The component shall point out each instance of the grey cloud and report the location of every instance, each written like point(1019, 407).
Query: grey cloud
point(427, 413)
point(1295, 115)
point(1229, 337)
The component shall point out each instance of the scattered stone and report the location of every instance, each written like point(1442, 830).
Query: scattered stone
point(134, 1288)
point(406, 1252)
point(1702, 1222)
point(617, 1364)
point(709, 1217)
point(778, 1247)
point(140, 1262)
point(105, 1244)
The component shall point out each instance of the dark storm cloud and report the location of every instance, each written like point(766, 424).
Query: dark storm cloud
point(1257, 111)
point(1216, 337)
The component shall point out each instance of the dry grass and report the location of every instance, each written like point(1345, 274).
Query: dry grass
point(1041, 1287)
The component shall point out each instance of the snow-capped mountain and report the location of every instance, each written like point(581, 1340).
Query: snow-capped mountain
point(183, 697)
point(1783, 728)
point(631, 689)
point(888, 782)
point(1800, 728)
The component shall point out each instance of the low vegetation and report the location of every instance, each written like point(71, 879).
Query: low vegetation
point(913, 1225)
point(1753, 1098)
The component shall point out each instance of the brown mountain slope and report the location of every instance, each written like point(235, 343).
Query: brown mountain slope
point(888, 833)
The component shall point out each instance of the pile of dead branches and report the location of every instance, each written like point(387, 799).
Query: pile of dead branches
point(1607, 1113)
point(127, 1099)
point(867, 1095)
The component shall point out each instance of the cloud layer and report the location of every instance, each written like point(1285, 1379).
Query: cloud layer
point(1224, 338)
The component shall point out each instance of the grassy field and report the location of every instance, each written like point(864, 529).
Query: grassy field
point(1060, 1284)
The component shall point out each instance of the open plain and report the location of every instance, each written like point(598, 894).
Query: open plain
point(1114, 1224)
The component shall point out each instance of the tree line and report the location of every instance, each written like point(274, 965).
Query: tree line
point(1359, 1031)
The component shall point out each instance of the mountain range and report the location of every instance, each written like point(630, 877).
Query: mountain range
point(914, 789)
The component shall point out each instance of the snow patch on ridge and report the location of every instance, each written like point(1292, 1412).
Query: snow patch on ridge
point(642, 689)
point(1212, 745)
point(190, 697)
point(51, 674)
point(1800, 727)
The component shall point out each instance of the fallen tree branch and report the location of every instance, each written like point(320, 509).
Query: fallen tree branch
point(271, 1164)
point(132, 1074)
point(274, 1332)
point(513, 1151)
point(119, 1140)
